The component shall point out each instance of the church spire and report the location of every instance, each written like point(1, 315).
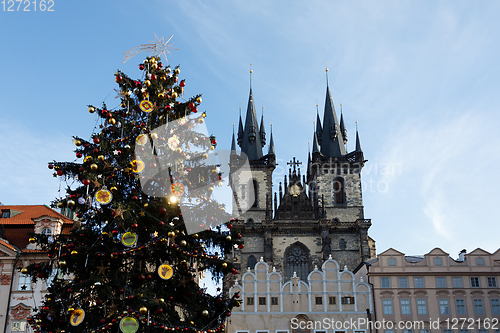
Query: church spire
point(271, 143)
point(251, 143)
point(315, 144)
point(240, 131)
point(262, 130)
point(233, 144)
point(342, 126)
point(319, 129)
point(358, 143)
point(331, 141)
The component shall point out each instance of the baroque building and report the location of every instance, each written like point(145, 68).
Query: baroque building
point(314, 215)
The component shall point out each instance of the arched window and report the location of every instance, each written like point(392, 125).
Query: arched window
point(251, 262)
point(255, 192)
point(297, 260)
point(338, 190)
point(342, 244)
point(46, 232)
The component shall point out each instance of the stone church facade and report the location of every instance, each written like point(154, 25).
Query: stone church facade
point(315, 215)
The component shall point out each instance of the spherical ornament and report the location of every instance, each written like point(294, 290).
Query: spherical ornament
point(62, 263)
point(177, 71)
point(86, 181)
point(51, 166)
point(183, 243)
point(204, 312)
point(201, 121)
point(205, 156)
point(32, 240)
point(113, 189)
point(74, 252)
point(228, 238)
point(60, 172)
point(143, 310)
point(97, 140)
point(198, 100)
point(60, 204)
point(70, 310)
point(78, 143)
point(94, 167)
point(147, 83)
point(71, 203)
point(24, 270)
point(154, 66)
point(79, 155)
point(103, 321)
point(182, 83)
point(241, 246)
point(87, 159)
point(91, 109)
point(175, 95)
point(100, 158)
point(224, 265)
point(195, 236)
point(153, 77)
point(171, 234)
point(230, 226)
point(112, 121)
point(141, 67)
point(118, 78)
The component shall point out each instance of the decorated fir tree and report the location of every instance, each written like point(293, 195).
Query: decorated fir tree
point(132, 262)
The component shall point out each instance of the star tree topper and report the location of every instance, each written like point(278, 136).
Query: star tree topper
point(160, 47)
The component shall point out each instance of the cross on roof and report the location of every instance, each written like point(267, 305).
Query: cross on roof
point(294, 163)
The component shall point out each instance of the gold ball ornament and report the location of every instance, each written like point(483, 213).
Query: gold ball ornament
point(87, 159)
point(163, 78)
point(175, 94)
point(177, 71)
point(155, 66)
point(161, 95)
point(146, 205)
point(171, 234)
point(123, 105)
point(195, 236)
point(24, 270)
point(78, 143)
point(60, 204)
point(143, 310)
point(198, 99)
point(74, 252)
point(91, 109)
point(183, 243)
point(147, 83)
point(71, 203)
point(162, 300)
point(152, 60)
point(32, 240)
point(204, 312)
point(94, 167)
point(71, 310)
point(228, 238)
point(112, 121)
point(224, 265)
point(100, 158)
point(62, 263)
point(113, 189)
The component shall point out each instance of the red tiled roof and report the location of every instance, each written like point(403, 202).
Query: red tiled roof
point(26, 214)
point(21, 222)
point(7, 245)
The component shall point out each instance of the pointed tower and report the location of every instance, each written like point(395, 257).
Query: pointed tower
point(240, 131)
point(358, 143)
point(342, 126)
point(319, 129)
point(262, 130)
point(332, 144)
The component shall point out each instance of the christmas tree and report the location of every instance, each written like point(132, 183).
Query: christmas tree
point(133, 261)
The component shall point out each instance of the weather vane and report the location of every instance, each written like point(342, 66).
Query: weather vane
point(160, 46)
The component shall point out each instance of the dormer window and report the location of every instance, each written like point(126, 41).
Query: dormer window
point(47, 232)
point(5, 213)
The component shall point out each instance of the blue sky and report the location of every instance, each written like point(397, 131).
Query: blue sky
point(421, 79)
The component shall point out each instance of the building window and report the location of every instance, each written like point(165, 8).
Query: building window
point(319, 300)
point(338, 188)
point(447, 331)
point(438, 261)
point(403, 282)
point(460, 304)
point(482, 331)
point(419, 282)
point(332, 300)
point(274, 300)
point(18, 326)
point(424, 331)
point(495, 306)
point(492, 282)
point(249, 300)
point(480, 261)
point(46, 232)
point(255, 192)
point(262, 301)
point(390, 331)
point(444, 307)
point(405, 307)
point(5, 213)
point(391, 261)
point(385, 282)
point(297, 261)
point(24, 282)
point(463, 331)
point(474, 282)
point(347, 300)
point(421, 306)
point(441, 282)
point(407, 331)
point(387, 305)
point(478, 306)
point(251, 262)
point(342, 244)
point(457, 282)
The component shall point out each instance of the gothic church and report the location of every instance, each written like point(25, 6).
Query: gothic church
point(314, 215)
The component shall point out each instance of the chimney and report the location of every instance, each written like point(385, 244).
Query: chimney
point(461, 255)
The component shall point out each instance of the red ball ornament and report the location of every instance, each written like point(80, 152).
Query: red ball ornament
point(163, 211)
point(130, 296)
point(51, 166)
point(141, 67)
point(191, 105)
point(168, 107)
point(153, 77)
point(96, 140)
point(78, 155)
point(60, 172)
point(195, 109)
point(161, 223)
point(118, 78)
point(159, 311)
point(241, 246)
point(86, 181)
point(103, 321)
point(182, 83)
point(214, 142)
point(230, 226)
point(135, 225)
